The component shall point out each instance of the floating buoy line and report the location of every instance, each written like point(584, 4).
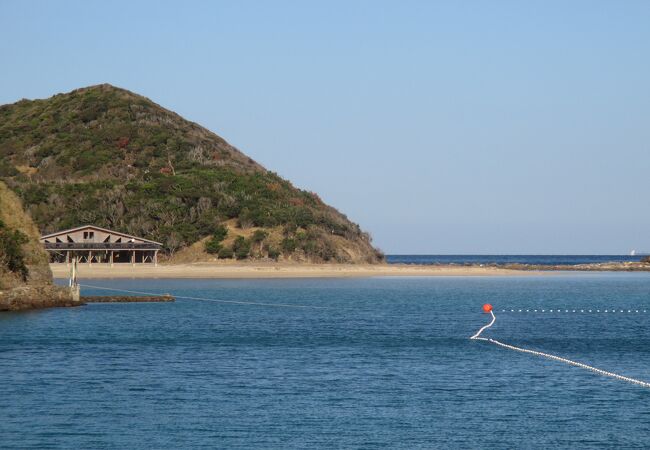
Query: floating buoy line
point(487, 308)
point(577, 311)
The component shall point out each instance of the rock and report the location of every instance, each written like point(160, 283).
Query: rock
point(39, 296)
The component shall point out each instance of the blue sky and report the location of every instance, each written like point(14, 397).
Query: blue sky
point(441, 127)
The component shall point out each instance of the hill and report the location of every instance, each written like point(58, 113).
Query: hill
point(106, 156)
point(25, 277)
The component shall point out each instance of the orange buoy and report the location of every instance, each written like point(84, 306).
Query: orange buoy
point(487, 308)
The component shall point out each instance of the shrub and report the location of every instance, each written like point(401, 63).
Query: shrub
point(245, 219)
point(12, 256)
point(225, 253)
point(241, 247)
point(220, 233)
point(288, 245)
point(303, 217)
point(122, 142)
point(274, 253)
point(289, 229)
point(7, 170)
point(214, 244)
point(259, 236)
point(35, 194)
point(328, 252)
point(310, 247)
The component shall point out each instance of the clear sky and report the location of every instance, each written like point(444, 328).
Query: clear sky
point(441, 127)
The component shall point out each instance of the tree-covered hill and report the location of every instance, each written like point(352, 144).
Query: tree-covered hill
point(106, 156)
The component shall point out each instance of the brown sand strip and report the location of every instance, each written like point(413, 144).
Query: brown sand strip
point(283, 270)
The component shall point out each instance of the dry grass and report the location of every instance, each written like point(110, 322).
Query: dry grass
point(196, 252)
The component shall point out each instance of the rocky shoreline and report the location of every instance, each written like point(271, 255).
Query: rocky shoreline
point(593, 267)
point(26, 298)
point(23, 298)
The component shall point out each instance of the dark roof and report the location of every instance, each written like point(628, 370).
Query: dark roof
point(84, 227)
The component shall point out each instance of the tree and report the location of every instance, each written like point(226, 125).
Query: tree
point(174, 242)
point(213, 245)
point(220, 233)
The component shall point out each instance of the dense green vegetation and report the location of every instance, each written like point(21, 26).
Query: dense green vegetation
point(12, 256)
point(108, 157)
point(213, 245)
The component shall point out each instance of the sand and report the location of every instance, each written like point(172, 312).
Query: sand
point(280, 270)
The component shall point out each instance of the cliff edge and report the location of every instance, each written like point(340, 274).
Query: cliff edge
point(25, 276)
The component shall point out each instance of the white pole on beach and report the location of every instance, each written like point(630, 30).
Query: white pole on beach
point(75, 289)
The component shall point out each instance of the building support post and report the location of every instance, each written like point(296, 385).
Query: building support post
point(111, 258)
point(133, 258)
point(90, 258)
point(155, 258)
point(67, 258)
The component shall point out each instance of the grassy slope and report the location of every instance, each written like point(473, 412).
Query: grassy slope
point(106, 156)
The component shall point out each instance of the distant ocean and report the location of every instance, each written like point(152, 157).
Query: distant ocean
point(548, 260)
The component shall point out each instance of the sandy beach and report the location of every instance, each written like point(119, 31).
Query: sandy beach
point(280, 270)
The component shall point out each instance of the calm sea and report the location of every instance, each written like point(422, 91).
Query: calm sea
point(386, 364)
point(509, 259)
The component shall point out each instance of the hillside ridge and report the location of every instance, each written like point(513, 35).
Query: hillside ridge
point(104, 155)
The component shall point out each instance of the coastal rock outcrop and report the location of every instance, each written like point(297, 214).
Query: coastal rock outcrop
point(25, 276)
point(35, 296)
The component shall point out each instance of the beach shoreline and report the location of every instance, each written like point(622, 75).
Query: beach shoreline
point(283, 270)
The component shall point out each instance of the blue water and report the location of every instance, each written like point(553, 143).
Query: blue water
point(388, 365)
point(510, 259)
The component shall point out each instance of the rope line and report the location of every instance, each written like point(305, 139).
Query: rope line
point(582, 311)
point(214, 300)
point(554, 357)
point(478, 333)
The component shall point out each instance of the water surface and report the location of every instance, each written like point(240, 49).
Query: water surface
point(388, 364)
point(545, 260)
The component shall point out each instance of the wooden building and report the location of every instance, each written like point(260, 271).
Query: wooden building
point(91, 244)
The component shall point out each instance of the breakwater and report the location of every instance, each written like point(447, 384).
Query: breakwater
point(126, 299)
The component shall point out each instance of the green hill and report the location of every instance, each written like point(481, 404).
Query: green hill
point(106, 156)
